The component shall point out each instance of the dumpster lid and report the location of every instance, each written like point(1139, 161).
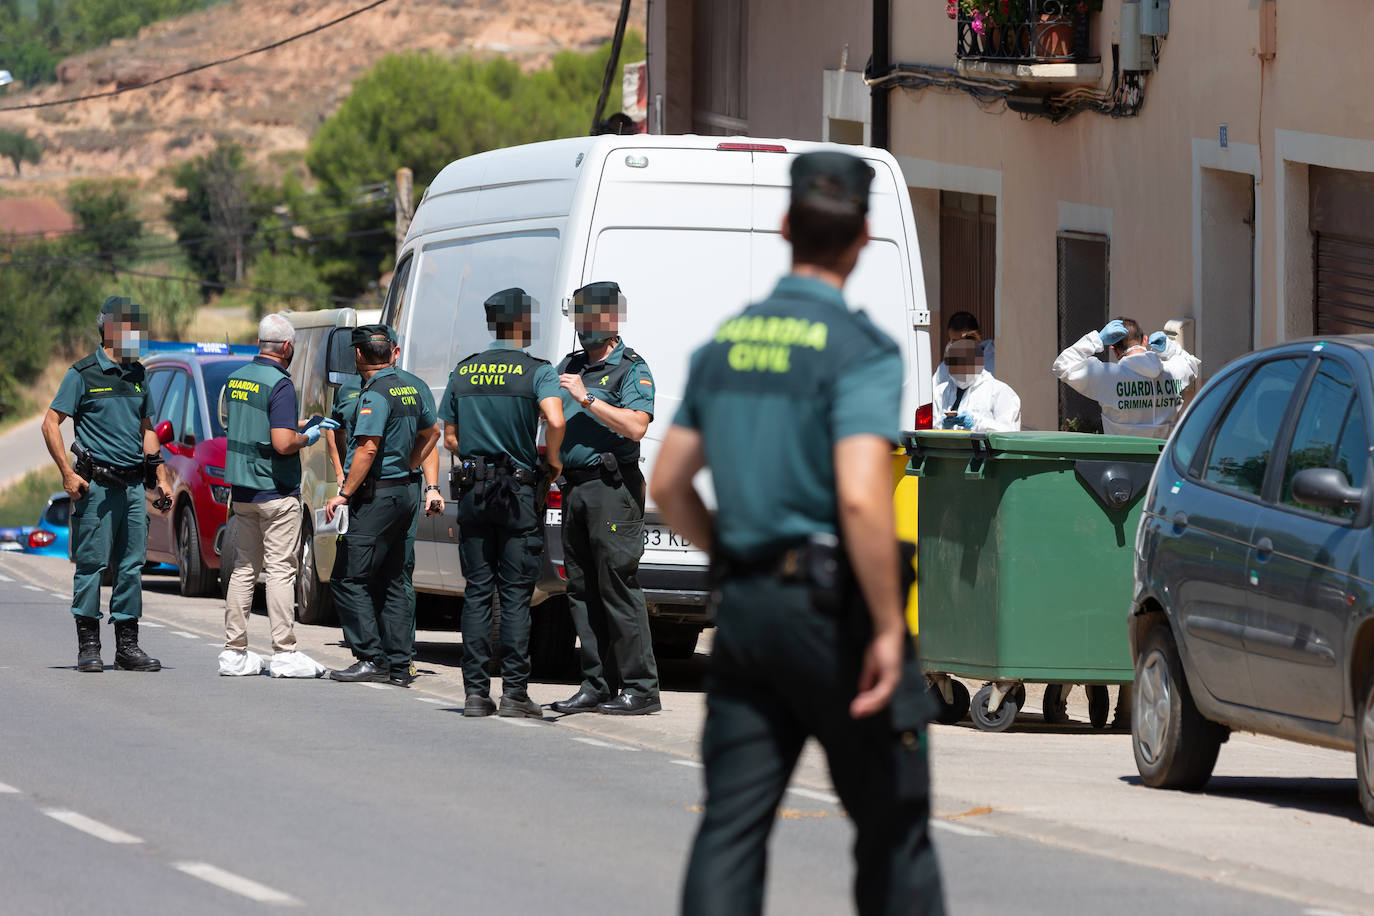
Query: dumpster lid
point(1036, 443)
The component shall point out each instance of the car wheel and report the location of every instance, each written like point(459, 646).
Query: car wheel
point(1099, 705)
point(314, 603)
point(953, 712)
point(999, 721)
point(1364, 747)
point(195, 580)
point(1175, 747)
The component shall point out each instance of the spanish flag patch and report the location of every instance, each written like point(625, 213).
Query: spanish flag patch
point(645, 381)
point(365, 411)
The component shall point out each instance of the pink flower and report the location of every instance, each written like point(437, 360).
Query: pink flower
point(978, 26)
point(952, 10)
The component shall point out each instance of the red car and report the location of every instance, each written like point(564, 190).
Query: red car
point(185, 381)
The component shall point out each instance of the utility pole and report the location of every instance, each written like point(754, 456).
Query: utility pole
point(405, 208)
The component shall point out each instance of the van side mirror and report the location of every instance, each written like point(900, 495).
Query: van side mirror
point(1325, 488)
point(341, 362)
point(164, 432)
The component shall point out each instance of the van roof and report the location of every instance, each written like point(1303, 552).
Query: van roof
point(557, 163)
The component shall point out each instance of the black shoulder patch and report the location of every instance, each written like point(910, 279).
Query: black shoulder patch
point(85, 362)
point(632, 356)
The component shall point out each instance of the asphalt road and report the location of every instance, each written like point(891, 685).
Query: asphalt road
point(184, 792)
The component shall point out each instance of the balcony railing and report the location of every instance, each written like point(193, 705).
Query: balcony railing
point(1041, 32)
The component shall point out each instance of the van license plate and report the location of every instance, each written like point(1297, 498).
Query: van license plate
point(661, 537)
point(553, 518)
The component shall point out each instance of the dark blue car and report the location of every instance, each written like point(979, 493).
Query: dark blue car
point(1254, 592)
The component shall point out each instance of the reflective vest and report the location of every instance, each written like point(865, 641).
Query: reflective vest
point(252, 462)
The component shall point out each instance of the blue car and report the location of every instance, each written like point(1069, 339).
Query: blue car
point(49, 536)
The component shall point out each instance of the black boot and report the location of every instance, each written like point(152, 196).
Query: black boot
point(88, 644)
point(128, 656)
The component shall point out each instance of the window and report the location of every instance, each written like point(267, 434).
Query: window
point(192, 429)
point(215, 373)
point(394, 310)
point(1199, 419)
point(1330, 433)
point(1239, 457)
point(58, 513)
point(157, 387)
point(174, 405)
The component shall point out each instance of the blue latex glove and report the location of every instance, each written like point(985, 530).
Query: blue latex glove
point(1114, 332)
point(962, 420)
point(312, 432)
point(1159, 341)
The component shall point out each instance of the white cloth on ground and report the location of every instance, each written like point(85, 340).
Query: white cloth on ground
point(294, 664)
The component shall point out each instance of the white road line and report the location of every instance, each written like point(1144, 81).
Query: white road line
point(155, 626)
point(63, 595)
point(960, 829)
point(235, 883)
point(687, 763)
point(94, 828)
point(33, 588)
point(1321, 912)
point(830, 798)
point(184, 635)
point(518, 723)
point(5, 579)
point(433, 701)
point(615, 747)
point(8, 790)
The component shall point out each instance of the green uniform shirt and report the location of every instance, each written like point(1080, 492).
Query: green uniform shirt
point(771, 394)
point(108, 403)
point(345, 409)
point(621, 380)
point(392, 407)
point(493, 399)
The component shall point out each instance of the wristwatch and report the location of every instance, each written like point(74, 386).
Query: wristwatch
point(433, 486)
point(591, 399)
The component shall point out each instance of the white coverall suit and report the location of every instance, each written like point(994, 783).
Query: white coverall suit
point(994, 407)
point(1139, 394)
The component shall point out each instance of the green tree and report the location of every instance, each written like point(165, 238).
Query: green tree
point(289, 272)
point(217, 213)
point(110, 227)
point(19, 147)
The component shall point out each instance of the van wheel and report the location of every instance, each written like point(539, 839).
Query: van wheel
point(1175, 747)
point(314, 603)
point(553, 641)
point(195, 580)
point(1364, 747)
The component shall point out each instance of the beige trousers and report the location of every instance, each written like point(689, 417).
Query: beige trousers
point(268, 536)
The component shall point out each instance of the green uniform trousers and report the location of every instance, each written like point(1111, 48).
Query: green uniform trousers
point(781, 671)
point(603, 539)
point(499, 559)
point(369, 583)
point(409, 567)
point(109, 526)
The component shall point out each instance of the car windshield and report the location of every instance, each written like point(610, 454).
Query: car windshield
point(216, 373)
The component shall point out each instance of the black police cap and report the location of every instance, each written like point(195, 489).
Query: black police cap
point(833, 177)
point(603, 292)
point(120, 307)
point(508, 305)
point(366, 333)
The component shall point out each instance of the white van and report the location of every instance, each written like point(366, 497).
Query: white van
point(689, 228)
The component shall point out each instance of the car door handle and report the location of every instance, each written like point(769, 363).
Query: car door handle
point(1263, 549)
point(1180, 522)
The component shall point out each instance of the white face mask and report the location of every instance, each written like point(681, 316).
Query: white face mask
point(129, 345)
point(963, 379)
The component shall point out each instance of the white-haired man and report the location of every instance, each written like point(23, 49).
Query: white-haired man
point(263, 468)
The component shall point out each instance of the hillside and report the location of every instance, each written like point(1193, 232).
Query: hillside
point(270, 103)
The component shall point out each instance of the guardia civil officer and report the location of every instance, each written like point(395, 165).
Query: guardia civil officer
point(491, 412)
point(393, 432)
point(263, 468)
point(608, 398)
point(118, 457)
point(345, 412)
point(811, 639)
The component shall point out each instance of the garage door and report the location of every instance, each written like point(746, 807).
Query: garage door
point(1342, 223)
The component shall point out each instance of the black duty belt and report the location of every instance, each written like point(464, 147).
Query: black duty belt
point(500, 466)
point(575, 476)
point(789, 563)
point(397, 482)
point(126, 476)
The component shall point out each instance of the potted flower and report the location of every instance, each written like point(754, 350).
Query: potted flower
point(988, 19)
point(1057, 23)
point(1039, 28)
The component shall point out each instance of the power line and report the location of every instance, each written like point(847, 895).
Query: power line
point(110, 93)
point(216, 284)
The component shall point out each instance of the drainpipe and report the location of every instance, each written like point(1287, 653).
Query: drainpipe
point(879, 64)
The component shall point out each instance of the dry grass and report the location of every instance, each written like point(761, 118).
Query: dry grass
point(216, 323)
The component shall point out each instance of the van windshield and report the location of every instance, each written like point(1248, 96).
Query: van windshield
point(447, 321)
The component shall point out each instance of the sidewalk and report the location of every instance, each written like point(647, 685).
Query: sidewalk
point(1277, 817)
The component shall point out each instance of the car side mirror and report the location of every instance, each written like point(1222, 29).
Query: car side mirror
point(164, 432)
point(1325, 488)
point(341, 364)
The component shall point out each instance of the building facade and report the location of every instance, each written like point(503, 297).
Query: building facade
point(1066, 168)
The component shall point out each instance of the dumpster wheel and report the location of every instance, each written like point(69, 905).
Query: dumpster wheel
point(998, 721)
point(1054, 707)
point(953, 712)
point(1099, 705)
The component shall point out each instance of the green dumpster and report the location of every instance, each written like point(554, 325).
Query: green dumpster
point(1024, 561)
